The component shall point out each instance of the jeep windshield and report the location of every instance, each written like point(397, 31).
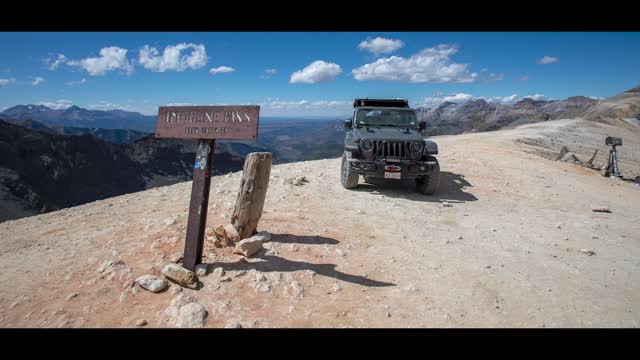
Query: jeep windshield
point(386, 117)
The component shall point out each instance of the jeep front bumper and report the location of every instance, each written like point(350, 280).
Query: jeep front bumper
point(408, 169)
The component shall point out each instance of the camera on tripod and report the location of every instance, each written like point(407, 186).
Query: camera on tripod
point(613, 141)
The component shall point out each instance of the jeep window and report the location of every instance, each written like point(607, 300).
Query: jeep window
point(386, 117)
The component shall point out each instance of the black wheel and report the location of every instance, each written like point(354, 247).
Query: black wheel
point(348, 178)
point(429, 184)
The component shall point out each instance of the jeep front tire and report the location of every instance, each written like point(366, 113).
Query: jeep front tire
point(348, 177)
point(429, 184)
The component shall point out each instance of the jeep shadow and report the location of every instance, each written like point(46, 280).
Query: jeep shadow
point(452, 189)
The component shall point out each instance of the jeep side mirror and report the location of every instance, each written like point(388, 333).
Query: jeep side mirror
point(422, 125)
point(347, 123)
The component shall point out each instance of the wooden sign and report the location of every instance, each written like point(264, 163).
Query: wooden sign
point(204, 123)
point(208, 122)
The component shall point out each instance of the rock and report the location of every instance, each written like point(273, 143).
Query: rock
point(337, 287)
point(218, 272)
point(225, 279)
point(141, 322)
point(294, 290)
point(201, 269)
point(71, 296)
point(459, 237)
point(341, 252)
point(600, 209)
point(152, 283)
point(264, 236)
point(558, 225)
point(226, 234)
point(587, 252)
point(594, 237)
point(169, 221)
point(175, 258)
point(233, 324)
point(191, 315)
point(446, 204)
point(175, 290)
point(263, 287)
point(297, 181)
point(181, 276)
point(240, 273)
point(249, 246)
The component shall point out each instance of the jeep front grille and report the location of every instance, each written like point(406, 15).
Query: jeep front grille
point(391, 149)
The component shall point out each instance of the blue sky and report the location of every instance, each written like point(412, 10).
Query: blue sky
point(309, 73)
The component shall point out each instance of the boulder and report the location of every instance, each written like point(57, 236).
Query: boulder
point(181, 276)
point(227, 235)
point(248, 247)
point(152, 283)
point(191, 315)
point(600, 209)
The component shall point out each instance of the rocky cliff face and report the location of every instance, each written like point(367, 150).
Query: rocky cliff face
point(40, 171)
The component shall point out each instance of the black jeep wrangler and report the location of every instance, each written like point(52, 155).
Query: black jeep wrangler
point(384, 142)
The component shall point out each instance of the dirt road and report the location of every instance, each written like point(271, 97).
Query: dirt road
point(505, 253)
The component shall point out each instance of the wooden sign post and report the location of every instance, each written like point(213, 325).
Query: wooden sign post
point(204, 123)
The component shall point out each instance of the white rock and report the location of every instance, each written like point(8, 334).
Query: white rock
point(446, 204)
point(152, 283)
point(218, 272)
point(175, 258)
point(201, 269)
point(141, 322)
point(337, 287)
point(191, 315)
point(71, 296)
point(233, 324)
point(249, 246)
point(587, 252)
point(169, 221)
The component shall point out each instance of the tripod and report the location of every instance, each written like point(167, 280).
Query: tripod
point(612, 164)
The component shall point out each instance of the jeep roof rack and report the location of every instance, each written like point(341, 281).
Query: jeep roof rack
point(381, 103)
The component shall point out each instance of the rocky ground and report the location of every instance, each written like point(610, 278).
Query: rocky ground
point(510, 241)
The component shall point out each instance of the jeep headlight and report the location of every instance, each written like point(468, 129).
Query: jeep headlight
point(366, 145)
point(416, 146)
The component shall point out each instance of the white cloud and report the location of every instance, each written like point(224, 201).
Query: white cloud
point(380, 45)
point(268, 73)
point(180, 104)
point(305, 107)
point(179, 57)
point(460, 98)
point(429, 65)
point(79, 82)
point(5, 82)
point(504, 99)
point(316, 72)
point(492, 77)
point(55, 63)
point(221, 69)
point(596, 97)
point(57, 105)
point(111, 58)
point(107, 105)
point(535, 97)
point(37, 80)
point(548, 60)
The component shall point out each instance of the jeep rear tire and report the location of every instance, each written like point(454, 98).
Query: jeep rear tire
point(429, 184)
point(348, 177)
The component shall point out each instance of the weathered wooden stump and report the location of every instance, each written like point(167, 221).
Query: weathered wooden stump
point(253, 189)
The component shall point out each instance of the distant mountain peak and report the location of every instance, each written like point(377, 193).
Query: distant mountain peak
point(634, 90)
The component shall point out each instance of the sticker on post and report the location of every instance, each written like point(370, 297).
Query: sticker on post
point(197, 165)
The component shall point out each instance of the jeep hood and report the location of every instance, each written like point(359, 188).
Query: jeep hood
point(386, 133)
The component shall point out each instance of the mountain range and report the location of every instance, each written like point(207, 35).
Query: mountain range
point(75, 116)
point(54, 162)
